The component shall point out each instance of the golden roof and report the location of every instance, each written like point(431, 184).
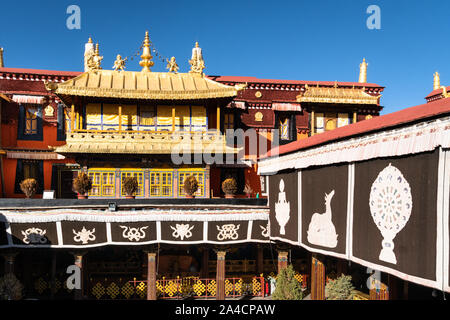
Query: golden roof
point(2, 96)
point(143, 85)
point(337, 95)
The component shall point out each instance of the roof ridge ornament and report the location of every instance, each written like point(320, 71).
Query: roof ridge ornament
point(437, 81)
point(94, 60)
point(119, 64)
point(146, 56)
point(363, 71)
point(197, 63)
point(1, 58)
point(172, 65)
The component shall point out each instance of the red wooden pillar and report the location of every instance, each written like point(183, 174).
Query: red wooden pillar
point(317, 279)
point(282, 260)
point(220, 275)
point(79, 293)
point(205, 263)
point(151, 276)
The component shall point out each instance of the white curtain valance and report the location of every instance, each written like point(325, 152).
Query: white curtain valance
point(27, 99)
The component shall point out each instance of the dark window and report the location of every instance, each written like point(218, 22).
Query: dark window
point(30, 122)
point(61, 126)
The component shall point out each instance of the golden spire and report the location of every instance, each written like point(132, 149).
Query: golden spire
point(90, 40)
point(1, 58)
point(146, 57)
point(437, 81)
point(363, 72)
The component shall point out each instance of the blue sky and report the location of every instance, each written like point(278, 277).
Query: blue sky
point(321, 40)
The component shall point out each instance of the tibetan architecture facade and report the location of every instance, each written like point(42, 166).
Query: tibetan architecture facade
point(375, 193)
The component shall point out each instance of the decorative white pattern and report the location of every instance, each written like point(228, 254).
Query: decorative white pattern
point(228, 231)
point(133, 233)
point(282, 209)
point(265, 232)
point(182, 231)
point(321, 230)
point(84, 236)
point(34, 236)
point(390, 206)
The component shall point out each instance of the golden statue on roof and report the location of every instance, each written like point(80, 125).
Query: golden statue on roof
point(172, 65)
point(119, 64)
point(94, 59)
point(197, 63)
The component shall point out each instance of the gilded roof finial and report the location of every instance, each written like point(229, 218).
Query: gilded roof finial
point(197, 63)
point(1, 58)
point(93, 59)
point(146, 56)
point(437, 81)
point(90, 40)
point(363, 72)
point(172, 65)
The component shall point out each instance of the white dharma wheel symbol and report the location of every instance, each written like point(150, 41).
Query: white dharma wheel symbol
point(390, 206)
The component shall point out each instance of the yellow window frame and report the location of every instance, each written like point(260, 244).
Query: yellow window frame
point(139, 174)
point(103, 183)
point(161, 183)
point(199, 174)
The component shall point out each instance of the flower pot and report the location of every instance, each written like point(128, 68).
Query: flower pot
point(229, 196)
point(130, 197)
point(190, 196)
point(82, 196)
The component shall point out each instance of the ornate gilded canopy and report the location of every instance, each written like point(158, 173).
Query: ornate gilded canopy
point(143, 85)
point(337, 95)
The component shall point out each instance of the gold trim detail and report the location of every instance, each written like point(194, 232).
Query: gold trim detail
point(337, 95)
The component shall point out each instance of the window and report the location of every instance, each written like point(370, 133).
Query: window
point(161, 183)
point(30, 170)
point(284, 128)
point(140, 179)
point(199, 175)
point(228, 122)
point(31, 119)
point(103, 183)
point(30, 122)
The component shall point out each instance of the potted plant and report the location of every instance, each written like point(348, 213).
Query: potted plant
point(29, 187)
point(130, 186)
point(287, 287)
point(339, 289)
point(81, 185)
point(229, 187)
point(190, 186)
point(10, 287)
point(248, 191)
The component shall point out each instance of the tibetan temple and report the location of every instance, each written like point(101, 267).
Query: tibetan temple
point(283, 141)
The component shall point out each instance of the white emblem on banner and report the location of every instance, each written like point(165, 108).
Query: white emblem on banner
point(321, 230)
point(390, 206)
point(228, 231)
point(133, 233)
point(84, 236)
point(282, 209)
point(34, 236)
point(265, 232)
point(182, 231)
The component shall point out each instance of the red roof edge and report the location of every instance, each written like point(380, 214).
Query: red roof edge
point(436, 92)
point(41, 72)
point(402, 117)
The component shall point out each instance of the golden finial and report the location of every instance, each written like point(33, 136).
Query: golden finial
point(1, 58)
point(197, 63)
point(94, 59)
point(172, 65)
point(146, 57)
point(90, 40)
point(119, 64)
point(437, 81)
point(363, 72)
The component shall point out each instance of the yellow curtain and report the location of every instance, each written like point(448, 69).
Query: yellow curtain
point(319, 122)
point(182, 118)
point(93, 116)
point(198, 118)
point(343, 119)
point(110, 116)
point(147, 117)
point(164, 117)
